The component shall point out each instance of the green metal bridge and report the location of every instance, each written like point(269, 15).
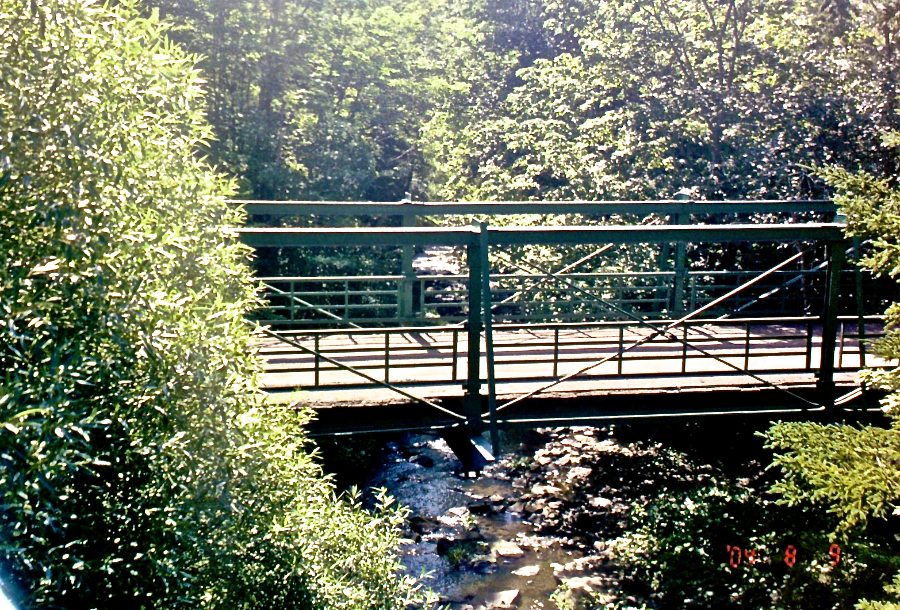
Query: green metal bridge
point(592, 312)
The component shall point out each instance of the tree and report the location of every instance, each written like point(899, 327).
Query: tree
point(855, 471)
point(316, 100)
point(728, 98)
point(138, 466)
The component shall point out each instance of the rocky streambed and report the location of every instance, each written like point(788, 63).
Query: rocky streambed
point(533, 530)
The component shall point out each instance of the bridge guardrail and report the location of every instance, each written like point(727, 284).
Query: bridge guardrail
point(305, 302)
point(480, 286)
point(552, 346)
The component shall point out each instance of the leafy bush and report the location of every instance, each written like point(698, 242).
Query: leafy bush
point(138, 468)
point(723, 546)
point(853, 471)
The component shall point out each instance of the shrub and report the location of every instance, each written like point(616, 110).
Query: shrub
point(723, 546)
point(138, 467)
point(853, 471)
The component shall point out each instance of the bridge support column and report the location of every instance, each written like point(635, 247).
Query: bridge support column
point(472, 401)
point(405, 289)
point(680, 259)
point(825, 381)
point(484, 246)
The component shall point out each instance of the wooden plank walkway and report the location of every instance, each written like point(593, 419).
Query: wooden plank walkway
point(432, 364)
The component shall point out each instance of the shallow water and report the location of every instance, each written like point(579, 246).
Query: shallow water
point(439, 493)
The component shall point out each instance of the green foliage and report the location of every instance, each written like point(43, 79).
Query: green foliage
point(848, 469)
point(317, 100)
point(138, 468)
point(854, 471)
point(680, 551)
point(647, 97)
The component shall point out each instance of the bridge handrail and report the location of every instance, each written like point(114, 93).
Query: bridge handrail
point(575, 325)
point(505, 236)
point(526, 276)
point(496, 208)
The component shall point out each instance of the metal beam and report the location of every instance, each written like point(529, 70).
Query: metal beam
point(825, 382)
point(472, 399)
point(507, 236)
point(630, 234)
point(408, 236)
point(601, 208)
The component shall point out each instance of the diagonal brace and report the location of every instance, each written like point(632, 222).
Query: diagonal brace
point(355, 371)
point(657, 331)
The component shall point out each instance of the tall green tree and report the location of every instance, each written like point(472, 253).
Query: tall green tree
point(316, 100)
point(728, 98)
point(853, 471)
point(138, 466)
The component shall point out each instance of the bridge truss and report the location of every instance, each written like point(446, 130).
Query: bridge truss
point(476, 350)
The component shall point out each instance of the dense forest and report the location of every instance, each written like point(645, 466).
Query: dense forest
point(542, 99)
point(139, 465)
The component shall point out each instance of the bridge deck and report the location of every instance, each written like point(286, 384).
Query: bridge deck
point(432, 363)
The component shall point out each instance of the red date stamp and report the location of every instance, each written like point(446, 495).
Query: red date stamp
point(738, 556)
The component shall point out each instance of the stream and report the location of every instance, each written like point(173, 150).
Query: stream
point(495, 541)
point(541, 524)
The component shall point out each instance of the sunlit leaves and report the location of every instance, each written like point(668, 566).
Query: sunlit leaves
point(127, 476)
point(728, 98)
point(854, 471)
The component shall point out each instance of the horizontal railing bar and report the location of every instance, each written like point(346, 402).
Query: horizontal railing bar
point(509, 236)
point(666, 207)
point(395, 236)
point(329, 293)
point(506, 236)
point(338, 278)
point(530, 276)
point(656, 344)
point(575, 325)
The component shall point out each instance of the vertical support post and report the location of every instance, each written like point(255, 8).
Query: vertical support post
point(682, 196)
point(316, 366)
point(809, 341)
point(405, 289)
point(484, 247)
point(346, 299)
point(840, 345)
point(421, 285)
point(453, 366)
point(747, 349)
point(825, 381)
point(684, 348)
point(621, 348)
point(860, 304)
point(555, 352)
point(662, 285)
point(472, 400)
point(293, 303)
point(680, 275)
point(387, 356)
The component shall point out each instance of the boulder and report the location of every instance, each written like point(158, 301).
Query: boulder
point(423, 525)
point(422, 460)
point(506, 548)
point(527, 571)
point(481, 508)
point(502, 599)
point(546, 490)
point(598, 502)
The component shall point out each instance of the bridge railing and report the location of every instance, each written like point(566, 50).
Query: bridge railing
point(337, 301)
point(475, 311)
point(541, 352)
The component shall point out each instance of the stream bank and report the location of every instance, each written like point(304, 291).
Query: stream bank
point(537, 523)
point(622, 517)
